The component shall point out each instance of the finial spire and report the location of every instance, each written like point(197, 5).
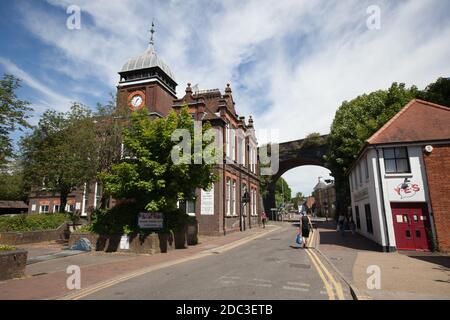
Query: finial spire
point(152, 31)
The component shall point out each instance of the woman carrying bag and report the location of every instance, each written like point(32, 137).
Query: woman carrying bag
point(306, 227)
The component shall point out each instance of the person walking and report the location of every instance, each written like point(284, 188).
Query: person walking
point(263, 219)
point(306, 227)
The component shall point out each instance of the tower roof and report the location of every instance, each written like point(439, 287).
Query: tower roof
point(148, 59)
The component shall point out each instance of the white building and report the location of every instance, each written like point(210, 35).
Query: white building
point(388, 181)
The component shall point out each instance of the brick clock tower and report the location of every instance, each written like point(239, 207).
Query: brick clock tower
point(146, 82)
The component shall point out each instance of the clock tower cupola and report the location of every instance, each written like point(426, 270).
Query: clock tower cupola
point(146, 81)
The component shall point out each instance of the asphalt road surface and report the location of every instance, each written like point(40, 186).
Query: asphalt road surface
point(264, 268)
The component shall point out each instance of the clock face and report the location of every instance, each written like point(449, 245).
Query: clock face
point(136, 100)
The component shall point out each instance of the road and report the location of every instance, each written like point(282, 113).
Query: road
point(265, 268)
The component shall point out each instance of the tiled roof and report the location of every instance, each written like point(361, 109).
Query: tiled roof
point(13, 204)
point(418, 121)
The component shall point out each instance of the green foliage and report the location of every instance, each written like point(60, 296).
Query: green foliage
point(149, 176)
point(4, 247)
point(356, 120)
point(13, 115)
point(313, 140)
point(281, 186)
point(61, 151)
point(32, 222)
point(437, 92)
point(298, 200)
point(84, 229)
point(12, 182)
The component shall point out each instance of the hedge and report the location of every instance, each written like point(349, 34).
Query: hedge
point(32, 222)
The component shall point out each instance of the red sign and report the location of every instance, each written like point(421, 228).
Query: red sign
point(407, 190)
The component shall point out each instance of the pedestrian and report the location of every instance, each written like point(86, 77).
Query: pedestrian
point(306, 227)
point(352, 225)
point(263, 219)
point(340, 227)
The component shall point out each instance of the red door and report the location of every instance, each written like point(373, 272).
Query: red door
point(410, 225)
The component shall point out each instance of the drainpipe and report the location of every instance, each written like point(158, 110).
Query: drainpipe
point(432, 222)
point(380, 181)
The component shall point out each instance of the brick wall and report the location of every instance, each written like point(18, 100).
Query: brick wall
point(437, 165)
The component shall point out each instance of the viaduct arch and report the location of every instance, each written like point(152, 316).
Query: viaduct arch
point(294, 154)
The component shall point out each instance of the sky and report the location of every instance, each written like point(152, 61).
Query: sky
point(290, 63)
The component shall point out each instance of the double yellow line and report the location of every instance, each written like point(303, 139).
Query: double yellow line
point(333, 288)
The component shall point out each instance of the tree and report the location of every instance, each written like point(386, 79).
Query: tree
point(61, 154)
point(13, 115)
point(298, 200)
point(109, 121)
point(355, 121)
point(437, 92)
point(12, 186)
point(148, 176)
point(281, 188)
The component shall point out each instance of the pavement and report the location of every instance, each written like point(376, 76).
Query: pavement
point(255, 264)
point(404, 275)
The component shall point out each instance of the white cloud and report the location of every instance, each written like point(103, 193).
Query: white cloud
point(291, 63)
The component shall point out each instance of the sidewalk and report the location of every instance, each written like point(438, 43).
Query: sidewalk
point(405, 275)
point(47, 280)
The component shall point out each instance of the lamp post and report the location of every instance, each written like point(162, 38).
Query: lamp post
point(244, 201)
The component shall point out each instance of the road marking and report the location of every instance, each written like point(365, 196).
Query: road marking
point(108, 283)
point(299, 284)
point(227, 281)
point(325, 282)
point(267, 285)
point(295, 288)
point(337, 286)
point(262, 280)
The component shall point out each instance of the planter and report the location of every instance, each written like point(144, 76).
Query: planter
point(12, 264)
point(180, 238)
point(13, 238)
point(137, 243)
point(192, 233)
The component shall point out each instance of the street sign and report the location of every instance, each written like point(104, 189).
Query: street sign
point(150, 220)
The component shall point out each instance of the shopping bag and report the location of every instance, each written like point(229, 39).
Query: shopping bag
point(298, 239)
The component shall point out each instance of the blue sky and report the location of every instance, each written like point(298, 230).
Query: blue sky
point(290, 63)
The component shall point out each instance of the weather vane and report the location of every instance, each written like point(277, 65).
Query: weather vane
point(152, 31)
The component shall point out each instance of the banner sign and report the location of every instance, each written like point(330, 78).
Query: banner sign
point(150, 220)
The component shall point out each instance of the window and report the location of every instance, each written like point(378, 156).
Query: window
point(359, 173)
point(233, 197)
point(56, 208)
point(396, 160)
point(233, 144)
point(358, 219)
point(366, 167)
point(44, 208)
point(228, 197)
point(98, 194)
point(369, 225)
point(351, 182)
point(355, 184)
point(254, 197)
point(227, 140)
point(188, 206)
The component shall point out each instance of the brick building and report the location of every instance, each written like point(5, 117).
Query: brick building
point(400, 181)
point(325, 199)
point(147, 82)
